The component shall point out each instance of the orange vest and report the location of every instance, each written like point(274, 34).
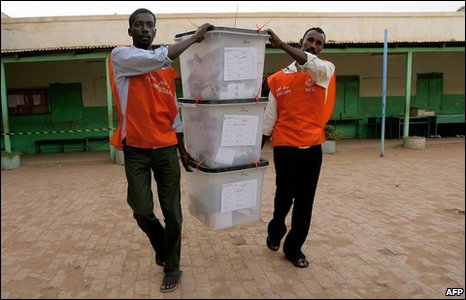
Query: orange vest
point(150, 110)
point(303, 109)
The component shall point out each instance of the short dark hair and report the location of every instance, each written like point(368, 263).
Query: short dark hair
point(318, 29)
point(138, 12)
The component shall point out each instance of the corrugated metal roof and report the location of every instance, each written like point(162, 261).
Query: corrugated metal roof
point(58, 49)
point(329, 44)
point(394, 44)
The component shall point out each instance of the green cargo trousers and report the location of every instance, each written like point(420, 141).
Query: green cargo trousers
point(164, 164)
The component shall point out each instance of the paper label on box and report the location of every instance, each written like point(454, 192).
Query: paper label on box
point(234, 90)
point(225, 155)
point(239, 130)
point(238, 195)
point(240, 63)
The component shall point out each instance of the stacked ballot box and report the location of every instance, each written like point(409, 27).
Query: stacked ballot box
point(223, 133)
point(226, 197)
point(222, 116)
point(228, 64)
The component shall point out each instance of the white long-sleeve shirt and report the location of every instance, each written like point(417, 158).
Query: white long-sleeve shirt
point(321, 72)
point(132, 61)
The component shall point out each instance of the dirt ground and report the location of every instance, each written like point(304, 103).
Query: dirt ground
point(383, 227)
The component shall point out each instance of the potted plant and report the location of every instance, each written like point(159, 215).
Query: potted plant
point(11, 160)
point(331, 136)
point(414, 142)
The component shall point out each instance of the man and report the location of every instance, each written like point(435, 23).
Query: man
point(150, 132)
point(301, 100)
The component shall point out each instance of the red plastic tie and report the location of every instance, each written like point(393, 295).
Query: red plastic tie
point(236, 15)
point(260, 28)
point(255, 162)
point(256, 95)
point(190, 21)
point(198, 164)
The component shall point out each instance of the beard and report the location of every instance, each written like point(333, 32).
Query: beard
point(311, 50)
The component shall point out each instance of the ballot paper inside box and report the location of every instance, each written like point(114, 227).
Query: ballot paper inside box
point(226, 197)
point(227, 64)
point(223, 133)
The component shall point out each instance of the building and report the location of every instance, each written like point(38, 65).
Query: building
point(55, 81)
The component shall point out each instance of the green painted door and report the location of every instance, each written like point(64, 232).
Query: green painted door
point(347, 101)
point(65, 103)
point(429, 92)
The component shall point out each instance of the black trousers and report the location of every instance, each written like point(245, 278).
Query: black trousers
point(297, 174)
point(164, 164)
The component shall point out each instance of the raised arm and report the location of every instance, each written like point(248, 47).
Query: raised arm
point(175, 50)
point(299, 55)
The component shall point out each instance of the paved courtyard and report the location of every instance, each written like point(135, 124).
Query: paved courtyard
point(383, 227)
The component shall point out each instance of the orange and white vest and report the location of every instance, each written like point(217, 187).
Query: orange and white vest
point(150, 110)
point(303, 109)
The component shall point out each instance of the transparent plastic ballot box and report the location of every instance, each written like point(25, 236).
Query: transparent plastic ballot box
point(227, 64)
point(226, 197)
point(223, 133)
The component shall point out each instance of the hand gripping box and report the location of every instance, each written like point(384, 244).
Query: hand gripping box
point(226, 197)
point(227, 64)
point(223, 133)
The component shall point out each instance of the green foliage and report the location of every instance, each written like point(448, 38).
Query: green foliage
point(10, 154)
point(331, 133)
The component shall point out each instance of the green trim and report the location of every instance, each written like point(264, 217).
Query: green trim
point(409, 72)
point(48, 58)
point(394, 50)
point(5, 118)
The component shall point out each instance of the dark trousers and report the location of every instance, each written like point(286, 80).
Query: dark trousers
point(297, 174)
point(164, 164)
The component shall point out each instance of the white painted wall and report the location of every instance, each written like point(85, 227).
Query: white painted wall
point(47, 32)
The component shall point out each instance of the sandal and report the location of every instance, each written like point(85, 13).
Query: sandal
point(274, 246)
point(170, 282)
point(300, 261)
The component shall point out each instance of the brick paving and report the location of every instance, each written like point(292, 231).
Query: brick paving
point(383, 227)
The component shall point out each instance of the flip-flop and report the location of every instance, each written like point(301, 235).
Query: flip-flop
point(170, 282)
